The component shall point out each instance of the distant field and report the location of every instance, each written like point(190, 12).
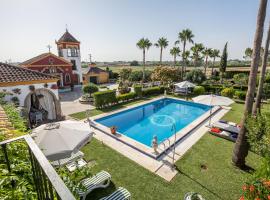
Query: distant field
point(134, 68)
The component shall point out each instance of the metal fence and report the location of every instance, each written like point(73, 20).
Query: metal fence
point(48, 183)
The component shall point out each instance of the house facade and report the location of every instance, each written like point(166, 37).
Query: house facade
point(93, 74)
point(53, 65)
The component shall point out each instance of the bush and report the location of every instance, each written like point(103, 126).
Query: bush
point(104, 98)
point(198, 90)
point(137, 76)
point(90, 88)
point(196, 76)
point(227, 92)
point(126, 97)
point(123, 87)
point(214, 89)
point(16, 101)
point(153, 91)
point(240, 95)
point(138, 90)
point(134, 63)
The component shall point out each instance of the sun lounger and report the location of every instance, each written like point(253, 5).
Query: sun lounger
point(71, 166)
point(120, 194)
point(226, 127)
point(100, 180)
point(65, 161)
point(81, 162)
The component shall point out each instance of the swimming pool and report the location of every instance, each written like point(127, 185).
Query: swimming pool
point(161, 118)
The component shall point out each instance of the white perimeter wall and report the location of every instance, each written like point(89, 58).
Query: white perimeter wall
point(25, 91)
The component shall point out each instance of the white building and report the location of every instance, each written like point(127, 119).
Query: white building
point(69, 48)
point(35, 91)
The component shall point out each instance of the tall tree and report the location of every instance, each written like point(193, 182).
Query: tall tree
point(175, 51)
point(186, 55)
point(248, 53)
point(196, 52)
point(223, 62)
point(214, 55)
point(257, 105)
point(184, 36)
point(241, 146)
point(162, 43)
point(144, 44)
point(207, 52)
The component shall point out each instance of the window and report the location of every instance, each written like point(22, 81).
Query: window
point(67, 78)
point(69, 52)
point(74, 67)
point(60, 52)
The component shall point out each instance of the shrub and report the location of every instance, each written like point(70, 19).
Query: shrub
point(15, 100)
point(104, 98)
point(240, 95)
point(227, 92)
point(165, 74)
point(123, 87)
point(138, 90)
point(198, 90)
point(90, 88)
point(153, 91)
point(138, 75)
point(196, 76)
point(126, 97)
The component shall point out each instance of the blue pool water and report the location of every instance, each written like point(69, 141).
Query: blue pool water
point(156, 118)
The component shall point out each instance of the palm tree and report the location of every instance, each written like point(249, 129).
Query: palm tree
point(257, 105)
point(162, 43)
point(185, 36)
point(207, 52)
point(196, 51)
point(214, 55)
point(144, 44)
point(174, 52)
point(185, 56)
point(241, 146)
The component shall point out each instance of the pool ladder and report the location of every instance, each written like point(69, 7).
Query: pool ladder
point(164, 145)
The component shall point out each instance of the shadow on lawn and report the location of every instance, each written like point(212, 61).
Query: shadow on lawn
point(101, 192)
point(210, 191)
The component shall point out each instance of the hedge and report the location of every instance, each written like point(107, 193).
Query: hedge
point(104, 98)
point(138, 90)
point(126, 97)
point(153, 91)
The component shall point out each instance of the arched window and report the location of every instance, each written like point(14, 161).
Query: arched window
point(67, 78)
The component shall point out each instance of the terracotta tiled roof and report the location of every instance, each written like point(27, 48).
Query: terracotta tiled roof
point(13, 74)
point(33, 59)
point(67, 37)
point(94, 70)
point(44, 59)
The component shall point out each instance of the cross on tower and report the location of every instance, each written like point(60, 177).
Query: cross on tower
point(49, 47)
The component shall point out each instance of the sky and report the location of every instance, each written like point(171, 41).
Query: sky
point(110, 29)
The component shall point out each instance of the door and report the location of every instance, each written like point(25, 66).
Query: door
point(93, 79)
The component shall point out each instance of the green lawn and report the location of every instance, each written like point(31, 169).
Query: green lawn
point(219, 181)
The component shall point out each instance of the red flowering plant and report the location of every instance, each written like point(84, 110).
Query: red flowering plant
point(256, 190)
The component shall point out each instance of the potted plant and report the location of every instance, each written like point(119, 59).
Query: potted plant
point(113, 130)
point(193, 196)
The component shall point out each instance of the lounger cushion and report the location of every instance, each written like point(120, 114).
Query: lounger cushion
point(120, 194)
point(94, 181)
